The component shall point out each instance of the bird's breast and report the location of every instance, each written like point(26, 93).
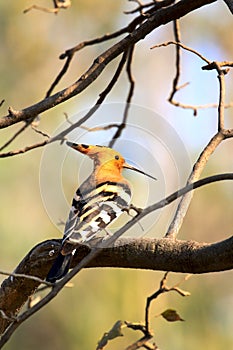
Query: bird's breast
point(100, 206)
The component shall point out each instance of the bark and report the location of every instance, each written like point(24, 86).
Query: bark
point(152, 254)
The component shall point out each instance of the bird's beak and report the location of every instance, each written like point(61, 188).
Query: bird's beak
point(127, 166)
point(71, 144)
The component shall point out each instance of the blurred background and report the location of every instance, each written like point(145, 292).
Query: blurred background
point(36, 187)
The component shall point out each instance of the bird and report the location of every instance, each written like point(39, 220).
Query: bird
point(99, 201)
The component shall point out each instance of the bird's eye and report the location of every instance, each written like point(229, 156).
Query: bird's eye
point(85, 146)
point(117, 157)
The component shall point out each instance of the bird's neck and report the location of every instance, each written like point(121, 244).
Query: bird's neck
point(105, 172)
point(101, 174)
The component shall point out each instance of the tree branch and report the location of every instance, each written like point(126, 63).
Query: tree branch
point(161, 17)
point(146, 253)
point(156, 254)
point(185, 201)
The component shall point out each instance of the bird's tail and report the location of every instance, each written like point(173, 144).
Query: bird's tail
point(59, 268)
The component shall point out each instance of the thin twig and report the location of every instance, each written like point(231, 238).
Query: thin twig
point(23, 150)
point(101, 39)
point(22, 275)
point(98, 103)
point(58, 4)
point(178, 290)
point(149, 299)
point(222, 94)
point(100, 128)
point(140, 7)
point(141, 343)
point(139, 32)
point(175, 88)
point(69, 54)
point(41, 132)
point(210, 65)
point(217, 65)
point(128, 100)
point(61, 136)
point(206, 153)
point(154, 6)
point(221, 69)
point(41, 8)
point(184, 47)
point(60, 74)
point(104, 244)
point(195, 108)
point(25, 126)
point(163, 289)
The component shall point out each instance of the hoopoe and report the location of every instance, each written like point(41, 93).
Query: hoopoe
point(99, 201)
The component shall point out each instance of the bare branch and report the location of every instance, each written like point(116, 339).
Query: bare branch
point(41, 8)
point(198, 167)
point(61, 136)
point(210, 65)
point(23, 150)
point(24, 127)
point(69, 54)
point(58, 4)
point(177, 35)
point(221, 106)
point(175, 86)
point(41, 132)
point(162, 16)
point(177, 43)
point(22, 275)
point(219, 67)
point(98, 128)
point(143, 342)
point(128, 101)
point(163, 288)
point(60, 75)
point(154, 7)
point(206, 153)
point(145, 328)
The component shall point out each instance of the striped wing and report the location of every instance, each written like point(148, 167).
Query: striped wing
point(95, 209)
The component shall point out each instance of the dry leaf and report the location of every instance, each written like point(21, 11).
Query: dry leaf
point(171, 315)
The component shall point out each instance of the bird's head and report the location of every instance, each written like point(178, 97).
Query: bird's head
point(106, 157)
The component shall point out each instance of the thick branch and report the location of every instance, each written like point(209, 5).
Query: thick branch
point(147, 253)
point(162, 16)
